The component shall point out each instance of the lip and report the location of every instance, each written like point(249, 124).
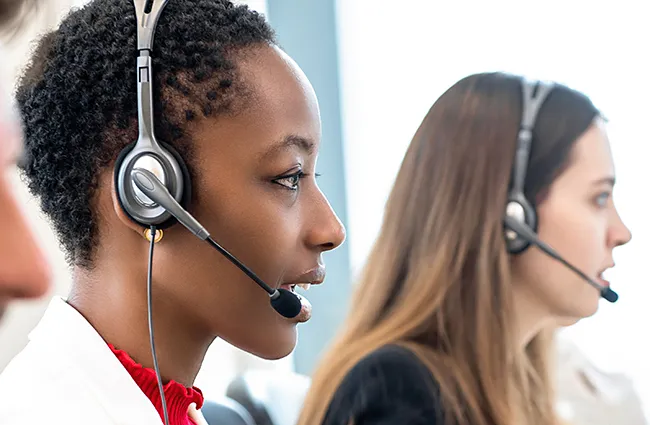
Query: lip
point(314, 276)
point(602, 281)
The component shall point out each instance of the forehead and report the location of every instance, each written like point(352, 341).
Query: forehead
point(591, 157)
point(283, 106)
point(283, 96)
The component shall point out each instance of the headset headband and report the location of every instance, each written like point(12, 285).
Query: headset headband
point(531, 104)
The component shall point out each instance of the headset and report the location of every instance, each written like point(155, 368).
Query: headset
point(518, 208)
point(153, 183)
point(520, 218)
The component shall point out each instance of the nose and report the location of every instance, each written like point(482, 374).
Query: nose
point(24, 272)
point(326, 232)
point(620, 233)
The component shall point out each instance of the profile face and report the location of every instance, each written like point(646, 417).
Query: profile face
point(579, 220)
point(258, 197)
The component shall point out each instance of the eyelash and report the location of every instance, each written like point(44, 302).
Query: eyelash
point(299, 175)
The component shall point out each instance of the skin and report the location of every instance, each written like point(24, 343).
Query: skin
point(579, 220)
point(248, 207)
point(24, 271)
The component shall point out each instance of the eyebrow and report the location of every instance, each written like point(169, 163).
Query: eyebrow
point(605, 180)
point(289, 141)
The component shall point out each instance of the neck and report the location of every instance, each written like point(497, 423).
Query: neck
point(114, 301)
point(531, 316)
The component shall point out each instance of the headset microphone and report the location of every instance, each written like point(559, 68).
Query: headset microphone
point(283, 301)
point(527, 234)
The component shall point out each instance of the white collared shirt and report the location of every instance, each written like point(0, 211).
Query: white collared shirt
point(68, 375)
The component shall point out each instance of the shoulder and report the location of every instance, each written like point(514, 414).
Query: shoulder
point(390, 382)
point(391, 364)
point(26, 374)
point(38, 389)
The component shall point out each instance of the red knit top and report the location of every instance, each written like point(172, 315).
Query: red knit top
point(177, 396)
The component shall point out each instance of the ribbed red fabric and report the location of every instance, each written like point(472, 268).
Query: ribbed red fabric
point(177, 396)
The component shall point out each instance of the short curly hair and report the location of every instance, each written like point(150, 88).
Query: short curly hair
point(78, 98)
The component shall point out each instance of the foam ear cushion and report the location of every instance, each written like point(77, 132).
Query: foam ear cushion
point(186, 197)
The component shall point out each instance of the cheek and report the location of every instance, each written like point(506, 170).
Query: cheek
point(260, 231)
point(577, 235)
point(263, 236)
point(576, 231)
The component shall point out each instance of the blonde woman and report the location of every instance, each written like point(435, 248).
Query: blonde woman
point(449, 323)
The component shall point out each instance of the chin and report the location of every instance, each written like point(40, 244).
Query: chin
point(573, 315)
point(272, 345)
point(590, 308)
point(566, 321)
point(282, 345)
point(275, 353)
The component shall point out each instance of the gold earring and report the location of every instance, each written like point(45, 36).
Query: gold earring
point(159, 235)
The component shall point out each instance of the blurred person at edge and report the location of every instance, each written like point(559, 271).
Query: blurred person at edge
point(24, 272)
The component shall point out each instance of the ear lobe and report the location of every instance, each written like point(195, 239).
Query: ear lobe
point(121, 214)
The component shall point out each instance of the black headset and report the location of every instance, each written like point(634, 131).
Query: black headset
point(518, 207)
point(147, 152)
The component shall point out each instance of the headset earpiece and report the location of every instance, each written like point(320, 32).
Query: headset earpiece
point(520, 210)
point(147, 153)
point(518, 207)
point(170, 169)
